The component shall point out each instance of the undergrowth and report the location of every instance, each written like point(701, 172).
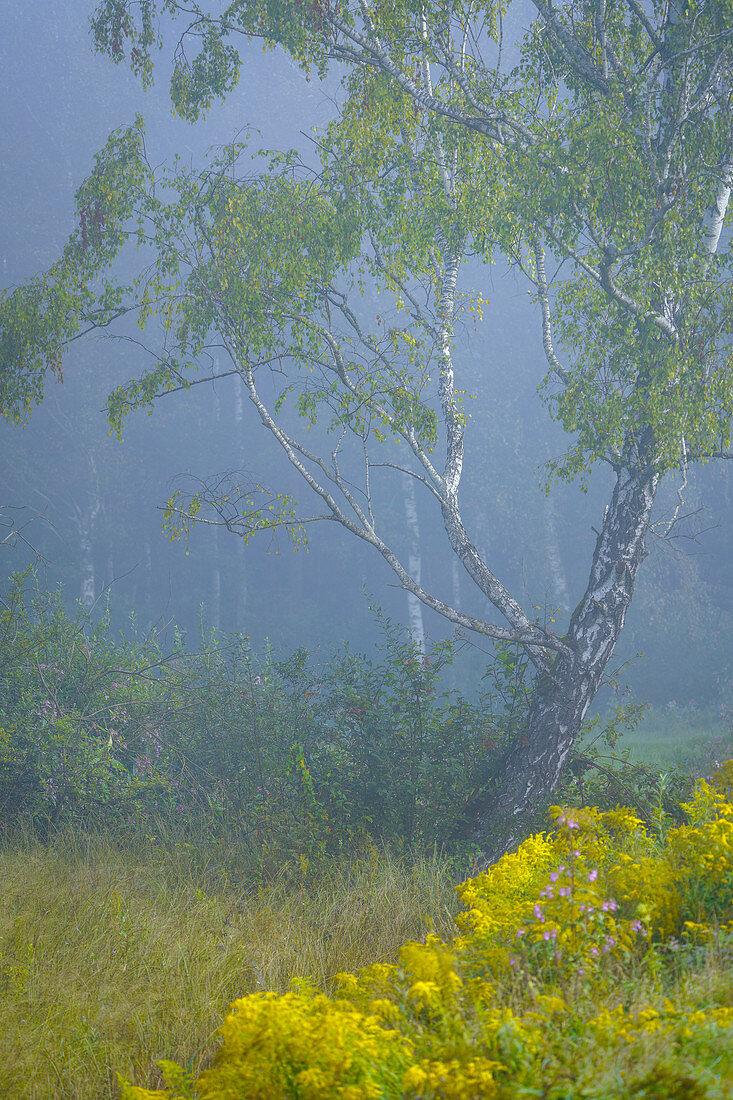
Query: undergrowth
point(596, 961)
point(286, 758)
point(186, 837)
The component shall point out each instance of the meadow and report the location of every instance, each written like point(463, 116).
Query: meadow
point(686, 736)
point(115, 956)
point(218, 828)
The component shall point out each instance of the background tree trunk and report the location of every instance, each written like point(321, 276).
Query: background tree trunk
point(215, 573)
point(86, 521)
point(242, 588)
point(559, 597)
point(414, 561)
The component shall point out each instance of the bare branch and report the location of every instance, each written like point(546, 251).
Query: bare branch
point(405, 470)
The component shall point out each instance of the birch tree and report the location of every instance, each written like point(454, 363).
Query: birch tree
point(600, 166)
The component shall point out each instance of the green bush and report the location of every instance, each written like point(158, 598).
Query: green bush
point(285, 759)
point(601, 772)
point(81, 717)
point(110, 731)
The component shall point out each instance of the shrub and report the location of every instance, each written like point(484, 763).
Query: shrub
point(602, 774)
point(286, 760)
point(81, 718)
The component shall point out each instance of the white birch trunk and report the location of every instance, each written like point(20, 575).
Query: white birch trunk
point(88, 587)
point(215, 597)
point(148, 575)
point(455, 581)
point(215, 574)
point(241, 578)
point(86, 520)
point(414, 561)
point(715, 215)
point(560, 597)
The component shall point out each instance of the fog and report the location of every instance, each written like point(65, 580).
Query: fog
point(97, 499)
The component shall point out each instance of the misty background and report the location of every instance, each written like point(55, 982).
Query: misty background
point(98, 499)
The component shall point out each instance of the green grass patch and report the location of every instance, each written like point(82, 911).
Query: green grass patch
point(691, 737)
point(684, 736)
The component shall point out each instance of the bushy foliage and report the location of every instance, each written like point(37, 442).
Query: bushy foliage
point(289, 758)
point(81, 717)
point(533, 996)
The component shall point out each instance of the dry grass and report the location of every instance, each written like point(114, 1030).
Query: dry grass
point(110, 960)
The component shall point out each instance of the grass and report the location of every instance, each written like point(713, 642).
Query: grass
point(111, 959)
point(689, 737)
point(113, 956)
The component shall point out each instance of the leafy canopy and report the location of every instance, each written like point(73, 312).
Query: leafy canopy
point(438, 150)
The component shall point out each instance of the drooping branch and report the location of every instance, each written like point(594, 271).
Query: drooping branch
point(574, 52)
point(542, 289)
point(530, 635)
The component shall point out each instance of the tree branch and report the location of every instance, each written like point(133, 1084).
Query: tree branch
point(547, 342)
point(573, 51)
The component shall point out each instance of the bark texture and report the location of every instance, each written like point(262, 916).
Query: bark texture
point(497, 818)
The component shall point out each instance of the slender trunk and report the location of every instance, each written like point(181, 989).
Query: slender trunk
point(215, 581)
point(86, 520)
point(455, 576)
point(414, 561)
point(148, 578)
point(215, 575)
point(241, 577)
point(497, 819)
point(240, 614)
point(559, 597)
point(88, 587)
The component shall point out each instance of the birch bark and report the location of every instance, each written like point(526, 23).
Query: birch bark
point(215, 574)
point(86, 522)
point(242, 565)
point(497, 819)
point(414, 561)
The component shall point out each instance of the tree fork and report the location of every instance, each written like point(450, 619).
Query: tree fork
point(498, 817)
